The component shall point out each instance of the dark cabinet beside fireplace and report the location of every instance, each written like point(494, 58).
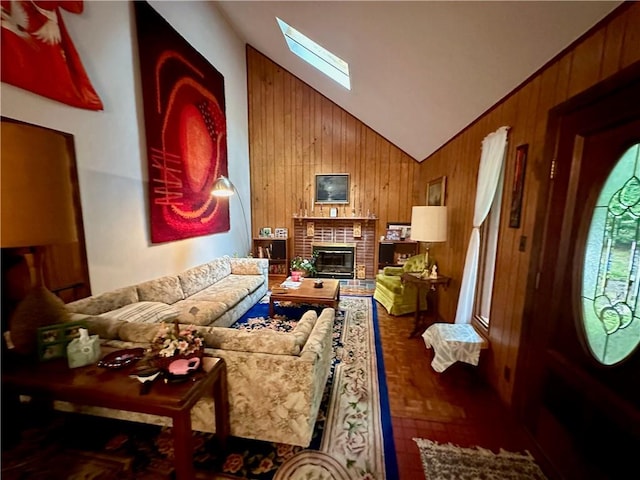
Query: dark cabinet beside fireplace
point(276, 250)
point(395, 252)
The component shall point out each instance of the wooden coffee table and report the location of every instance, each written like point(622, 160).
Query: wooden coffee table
point(102, 387)
point(328, 295)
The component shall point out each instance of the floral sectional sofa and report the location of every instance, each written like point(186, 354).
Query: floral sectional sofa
point(215, 293)
point(275, 379)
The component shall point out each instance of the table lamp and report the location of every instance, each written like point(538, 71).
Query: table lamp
point(223, 187)
point(36, 210)
point(429, 225)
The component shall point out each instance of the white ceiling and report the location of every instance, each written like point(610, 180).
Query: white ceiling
point(421, 71)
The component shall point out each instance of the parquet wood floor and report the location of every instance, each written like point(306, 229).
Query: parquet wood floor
point(455, 406)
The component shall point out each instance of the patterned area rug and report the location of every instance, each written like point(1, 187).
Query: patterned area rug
point(447, 462)
point(352, 437)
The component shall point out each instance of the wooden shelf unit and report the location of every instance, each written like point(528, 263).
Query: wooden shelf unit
point(276, 250)
point(391, 252)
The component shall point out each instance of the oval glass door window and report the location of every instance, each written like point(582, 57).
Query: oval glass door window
point(611, 279)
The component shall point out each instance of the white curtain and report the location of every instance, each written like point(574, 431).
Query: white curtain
point(494, 146)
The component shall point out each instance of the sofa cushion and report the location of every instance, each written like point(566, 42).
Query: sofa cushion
point(260, 341)
point(164, 289)
point(390, 282)
point(104, 302)
point(138, 332)
point(144, 312)
point(106, 328)
point(222, 293)
point(248, 282)
point(220, 268)
point(397, 271)
point(245, 266)
point(199, 312)
point(195, 279)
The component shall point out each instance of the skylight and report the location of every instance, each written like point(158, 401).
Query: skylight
point(311, 52)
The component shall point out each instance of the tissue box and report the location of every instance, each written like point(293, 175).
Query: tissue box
point(53, 339)
point(81, 353)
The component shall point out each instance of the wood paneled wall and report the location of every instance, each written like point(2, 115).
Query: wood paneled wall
point(610, 47)
point(295, 133)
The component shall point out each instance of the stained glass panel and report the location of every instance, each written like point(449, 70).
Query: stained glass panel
point(611, 280)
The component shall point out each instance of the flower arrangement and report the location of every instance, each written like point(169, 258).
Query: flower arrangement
point(171, 340)
point(307, 265)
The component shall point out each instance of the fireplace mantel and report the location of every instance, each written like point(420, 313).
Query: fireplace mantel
point(360, 219)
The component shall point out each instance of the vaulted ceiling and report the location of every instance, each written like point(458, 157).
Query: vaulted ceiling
point(421, 71)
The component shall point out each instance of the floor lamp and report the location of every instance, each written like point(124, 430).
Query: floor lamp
point(223, 187)
point(36, 210)
point(429, 225)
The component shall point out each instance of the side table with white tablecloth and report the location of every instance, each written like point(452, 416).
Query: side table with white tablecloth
point(453, 342)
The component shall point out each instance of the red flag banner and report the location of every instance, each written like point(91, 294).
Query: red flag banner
point(38, 54)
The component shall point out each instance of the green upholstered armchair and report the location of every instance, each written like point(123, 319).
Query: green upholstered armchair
point(394, 295)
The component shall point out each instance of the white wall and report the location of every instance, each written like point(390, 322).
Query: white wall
point(111, 148)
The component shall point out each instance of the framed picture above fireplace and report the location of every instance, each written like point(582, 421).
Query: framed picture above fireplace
point(332, 188)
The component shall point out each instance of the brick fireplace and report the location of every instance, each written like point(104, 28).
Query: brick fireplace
point(357, 231)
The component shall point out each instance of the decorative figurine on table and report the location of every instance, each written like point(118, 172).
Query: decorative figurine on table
point(434, 271)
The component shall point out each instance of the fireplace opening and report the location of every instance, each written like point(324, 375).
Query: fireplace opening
point(335, 260)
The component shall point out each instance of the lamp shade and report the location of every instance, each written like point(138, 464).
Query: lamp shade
point(223, 187)
point(37, 206)
point(429, 224)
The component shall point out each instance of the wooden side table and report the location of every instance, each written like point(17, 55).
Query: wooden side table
point(430, 286)
point(96, 386)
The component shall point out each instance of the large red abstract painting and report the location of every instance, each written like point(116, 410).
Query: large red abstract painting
point(184, 114)
point(38, 54)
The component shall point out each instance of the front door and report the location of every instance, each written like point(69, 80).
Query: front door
point(580, 395)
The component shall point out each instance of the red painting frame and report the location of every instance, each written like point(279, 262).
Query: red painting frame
point(185, 126)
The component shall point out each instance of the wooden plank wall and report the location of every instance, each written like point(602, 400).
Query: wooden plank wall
point(295, 132)
point(610, 47)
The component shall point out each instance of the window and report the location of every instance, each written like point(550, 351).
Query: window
point(611, 277)
point(488, 254)
point(312, 53)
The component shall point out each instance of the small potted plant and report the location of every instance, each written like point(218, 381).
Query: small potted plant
point(302, 267)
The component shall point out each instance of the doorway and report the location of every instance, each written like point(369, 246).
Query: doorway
point(65, 269)
point(580, 403)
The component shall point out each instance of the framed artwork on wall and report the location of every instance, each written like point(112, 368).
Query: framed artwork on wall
point(517, 188)
point(436, 191)
point(332, 188)
point(183, 100)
